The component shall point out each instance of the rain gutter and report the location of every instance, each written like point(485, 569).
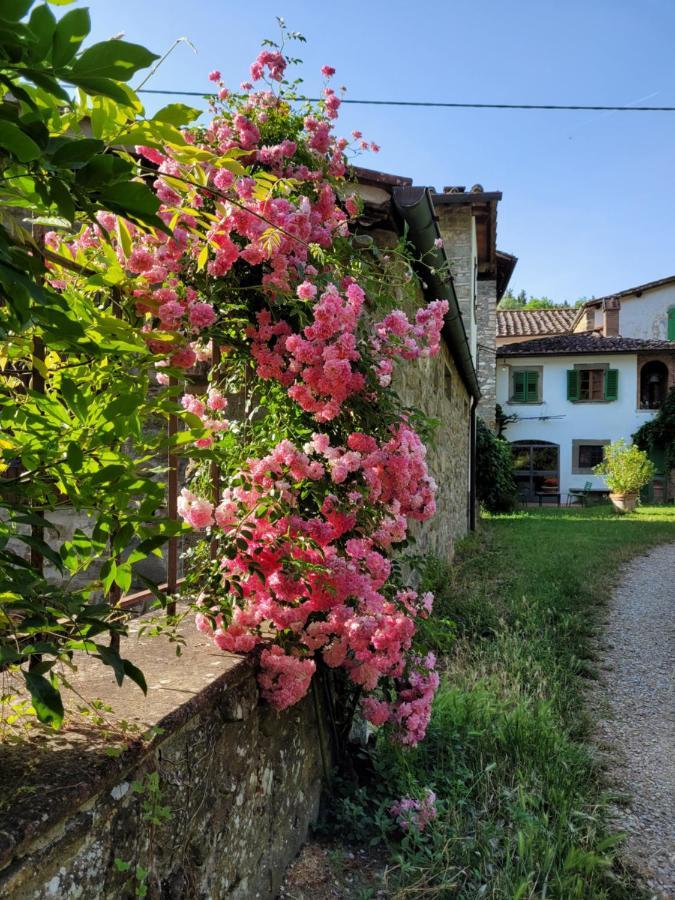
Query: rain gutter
point(415, 207)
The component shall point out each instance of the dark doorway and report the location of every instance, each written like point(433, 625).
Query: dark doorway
point(536, 467)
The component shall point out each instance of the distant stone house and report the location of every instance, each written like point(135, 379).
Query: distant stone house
point(451, 232)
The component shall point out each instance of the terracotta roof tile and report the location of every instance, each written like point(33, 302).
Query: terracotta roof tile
point(523, 322)
point(561, 344)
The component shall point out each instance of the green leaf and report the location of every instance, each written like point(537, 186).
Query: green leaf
point(135, 674)
point(42, 23)
point(77, 153)
point(97, 86)
point(108, 572)
point(112, 59)
point(62, 198)
point(45, 698)
point(17, 142)
point(71, 30)
point(122, 406)
point(74, 398)
point(103, 170)
point(177, 114)
point(131, 198)
point(13, 10)
point(74, 456)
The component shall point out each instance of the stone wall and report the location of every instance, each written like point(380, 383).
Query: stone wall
point(486, 330)
point(238, 782)
point(435, 387)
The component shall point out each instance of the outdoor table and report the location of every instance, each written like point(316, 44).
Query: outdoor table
point(542, 494)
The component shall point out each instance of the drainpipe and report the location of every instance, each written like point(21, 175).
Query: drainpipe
point(472, 468)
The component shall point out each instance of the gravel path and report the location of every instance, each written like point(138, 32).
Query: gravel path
point(637, 724)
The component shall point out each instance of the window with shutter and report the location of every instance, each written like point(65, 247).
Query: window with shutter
point(589, 385)
point(671, 324)
point(611, 384)
point(572, 384)
point(532, 387)
point(525, 386)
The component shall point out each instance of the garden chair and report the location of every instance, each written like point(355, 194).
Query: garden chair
point(581, 496)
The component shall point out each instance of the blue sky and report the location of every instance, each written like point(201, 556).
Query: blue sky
point(588, 201)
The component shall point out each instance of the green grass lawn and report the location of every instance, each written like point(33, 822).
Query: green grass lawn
point(521, 804)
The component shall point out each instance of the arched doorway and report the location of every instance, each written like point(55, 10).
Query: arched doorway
point(536, 467)
point(653, 384)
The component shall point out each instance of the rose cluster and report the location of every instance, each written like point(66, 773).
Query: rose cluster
point(305, 533)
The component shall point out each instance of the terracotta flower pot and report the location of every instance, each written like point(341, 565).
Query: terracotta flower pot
point(624, 502)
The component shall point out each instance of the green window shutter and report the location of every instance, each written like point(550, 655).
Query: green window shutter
point(671, 324)
point(572, 384)
point(611, 384)
point(519, 387)
point(532, 387)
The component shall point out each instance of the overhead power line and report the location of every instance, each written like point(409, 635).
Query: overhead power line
point(449, 105)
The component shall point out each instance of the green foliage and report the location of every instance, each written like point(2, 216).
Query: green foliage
point(74, 372)
point(625, 468)
point(522, 810)
point(659, 433)
point(495, 485)
point(522, 301)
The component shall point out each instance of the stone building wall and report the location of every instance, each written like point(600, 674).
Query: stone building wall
point(435, 387)
point(486, 330)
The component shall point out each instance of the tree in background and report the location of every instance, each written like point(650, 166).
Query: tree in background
point(522, 301)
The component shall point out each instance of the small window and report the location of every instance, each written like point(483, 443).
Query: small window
point(671, 323)
point(592, 384)
point(526, 385)
point(588, 385)
point(586, 455)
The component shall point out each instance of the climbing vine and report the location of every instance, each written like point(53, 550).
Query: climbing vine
point(305, 468)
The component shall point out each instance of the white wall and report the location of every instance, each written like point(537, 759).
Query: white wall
point(647, 316)
point(579, 421)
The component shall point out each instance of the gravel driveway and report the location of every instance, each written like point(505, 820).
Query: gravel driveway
point(637, 725)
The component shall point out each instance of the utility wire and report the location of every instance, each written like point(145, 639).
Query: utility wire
point(447, 105)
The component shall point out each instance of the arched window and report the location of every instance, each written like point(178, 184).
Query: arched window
point(653, 384)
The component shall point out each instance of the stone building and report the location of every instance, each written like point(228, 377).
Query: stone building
point(453, 235)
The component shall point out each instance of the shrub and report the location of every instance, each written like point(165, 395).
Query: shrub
point(625, 468)
point(495, 485)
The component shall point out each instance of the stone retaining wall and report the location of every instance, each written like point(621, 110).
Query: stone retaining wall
point(238, 786)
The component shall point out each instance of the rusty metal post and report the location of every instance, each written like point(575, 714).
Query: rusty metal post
point(215, 468)
point(115, 592)
point(172, 510)
point(38, 385)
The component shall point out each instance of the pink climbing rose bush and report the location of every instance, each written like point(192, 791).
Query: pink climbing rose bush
point(256, 274)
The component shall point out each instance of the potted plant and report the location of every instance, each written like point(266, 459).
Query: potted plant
point(625, 469)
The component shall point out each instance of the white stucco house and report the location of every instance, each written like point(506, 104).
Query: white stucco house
point(646, 311)
point(571, 395)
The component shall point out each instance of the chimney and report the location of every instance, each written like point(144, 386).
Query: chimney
point(588, 319)
point(610, 316)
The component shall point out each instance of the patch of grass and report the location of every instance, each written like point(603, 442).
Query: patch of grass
point(522, 810)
